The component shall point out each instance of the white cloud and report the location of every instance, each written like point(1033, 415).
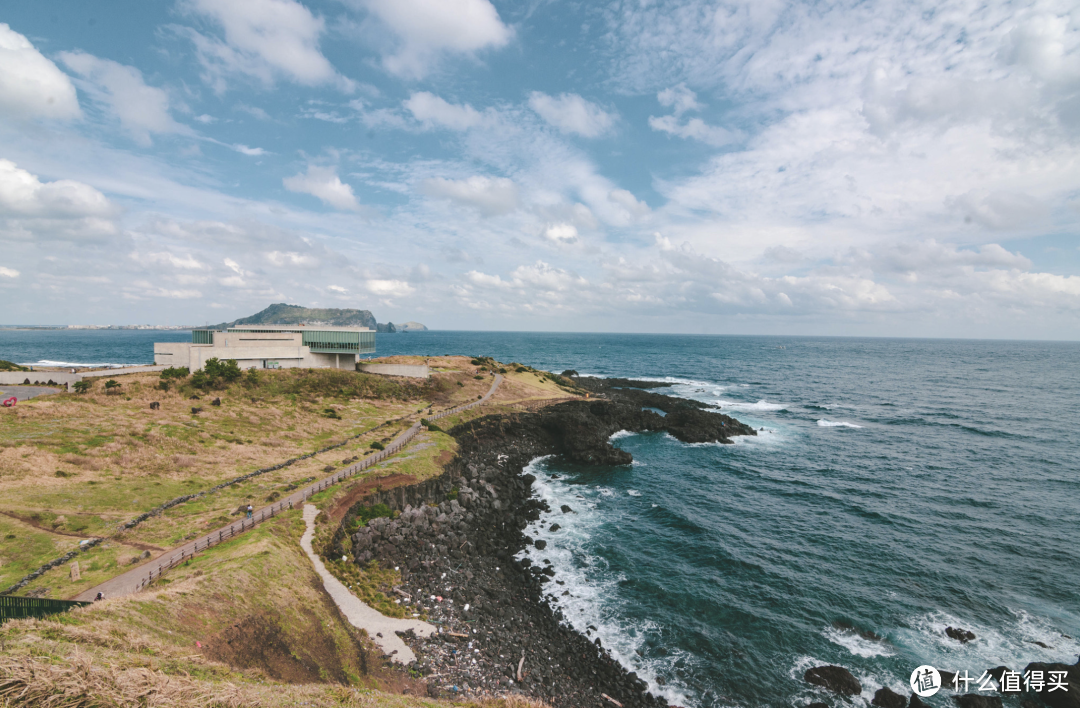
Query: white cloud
point(389, 288)
point(31, 86)
point(337, 289)
point(9, 272)
point(22, 194)
point(693, 129)
point(292, 259)
point(429, 29)
point(492, 196)
point(264, 39)
point(432, 110)
point(629, 202)
point(245, 150)
point(141, 109)
point(570, 113)
point(561, 233)
point(680, 98)
point(324, 183)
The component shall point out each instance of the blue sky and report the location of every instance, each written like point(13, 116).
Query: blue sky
point(845, 168)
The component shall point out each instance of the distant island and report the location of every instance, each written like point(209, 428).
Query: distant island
point(283, 314)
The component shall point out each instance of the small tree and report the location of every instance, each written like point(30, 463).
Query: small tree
point(112, 386)
point(83, 386)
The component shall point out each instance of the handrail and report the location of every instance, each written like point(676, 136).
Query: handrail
point(224, 534)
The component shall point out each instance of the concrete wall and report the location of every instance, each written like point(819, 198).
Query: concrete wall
point(66, 378)
point(285, 350)
point(14, 378)
point(417, 371)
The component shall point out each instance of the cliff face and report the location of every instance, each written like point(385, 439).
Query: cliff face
point(282, 314)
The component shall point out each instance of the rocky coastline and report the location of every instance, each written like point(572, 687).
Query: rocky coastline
point(456, 539)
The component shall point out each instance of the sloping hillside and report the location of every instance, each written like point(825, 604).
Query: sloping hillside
point(282, 314)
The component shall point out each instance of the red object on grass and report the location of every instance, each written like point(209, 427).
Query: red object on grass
point(10, 402)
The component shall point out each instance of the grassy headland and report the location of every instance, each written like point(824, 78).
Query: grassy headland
point(247, 622)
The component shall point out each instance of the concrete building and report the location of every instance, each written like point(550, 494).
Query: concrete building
point(271, 347)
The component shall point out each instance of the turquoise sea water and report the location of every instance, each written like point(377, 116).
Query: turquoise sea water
point(898, 486)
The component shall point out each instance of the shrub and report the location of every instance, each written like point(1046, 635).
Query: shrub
point(377, 446)
point(331, 413)
point(478, 378)
point(10, 366)
point(83, 386)
point(174, 372)
point(461, 384)
point(112, 386)
point(216, 373)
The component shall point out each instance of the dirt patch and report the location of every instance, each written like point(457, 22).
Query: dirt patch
point(257, 642)
point(337, 512)
point(444, 458)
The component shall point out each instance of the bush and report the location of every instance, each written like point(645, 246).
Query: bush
point(112, 386)
point(216, 373)
point(83, 386)
point(461, 384)
point(377, 446)
point(331, 413)
point(366, 514)
point(430, 426)
point(174, 372)
point(10, 366)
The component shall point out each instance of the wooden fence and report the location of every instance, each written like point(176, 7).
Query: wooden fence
point(271, 511)
point(20, 607)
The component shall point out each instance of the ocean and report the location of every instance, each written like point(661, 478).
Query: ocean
point(896, 487)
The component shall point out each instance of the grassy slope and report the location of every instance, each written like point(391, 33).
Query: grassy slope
point(254, 603)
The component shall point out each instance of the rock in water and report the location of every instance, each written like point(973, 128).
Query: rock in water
point(818, 705)
point(961, 635)
point(1059, 698)
point(888, 698)
point(916, 702)
point(835, 678)
point(974, 700)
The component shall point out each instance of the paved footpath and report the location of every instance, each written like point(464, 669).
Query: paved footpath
point(141, 576)
point(377, 625)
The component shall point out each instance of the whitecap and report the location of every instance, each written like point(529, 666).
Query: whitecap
point(620, 434)
point(859, 646)
point(836, 424)
point(760, 405)
point(633, 492)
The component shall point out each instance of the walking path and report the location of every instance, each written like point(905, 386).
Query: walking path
point(138, 578)
point(378, 626)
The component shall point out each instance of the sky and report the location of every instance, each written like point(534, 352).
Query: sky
point(855, 168)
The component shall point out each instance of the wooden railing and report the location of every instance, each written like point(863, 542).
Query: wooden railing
point(20, 607)
point(271, 511)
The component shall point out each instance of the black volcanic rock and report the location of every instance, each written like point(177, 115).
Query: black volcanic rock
point(974, 700)
point(888, 698)
point(961, 635)
point(1058, 698)
point(834, 678)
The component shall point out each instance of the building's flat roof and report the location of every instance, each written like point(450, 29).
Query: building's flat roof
point(300, 328)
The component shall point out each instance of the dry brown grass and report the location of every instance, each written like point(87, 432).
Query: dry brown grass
point(81, 682)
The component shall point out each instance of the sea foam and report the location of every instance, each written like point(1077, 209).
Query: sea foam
point(836, 424)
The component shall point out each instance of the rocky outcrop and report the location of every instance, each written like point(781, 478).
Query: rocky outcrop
point(961, 635)
point(975, 700)
point(888, 698)
point(1058, 698)
point(834, 678)
point(456, 555)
